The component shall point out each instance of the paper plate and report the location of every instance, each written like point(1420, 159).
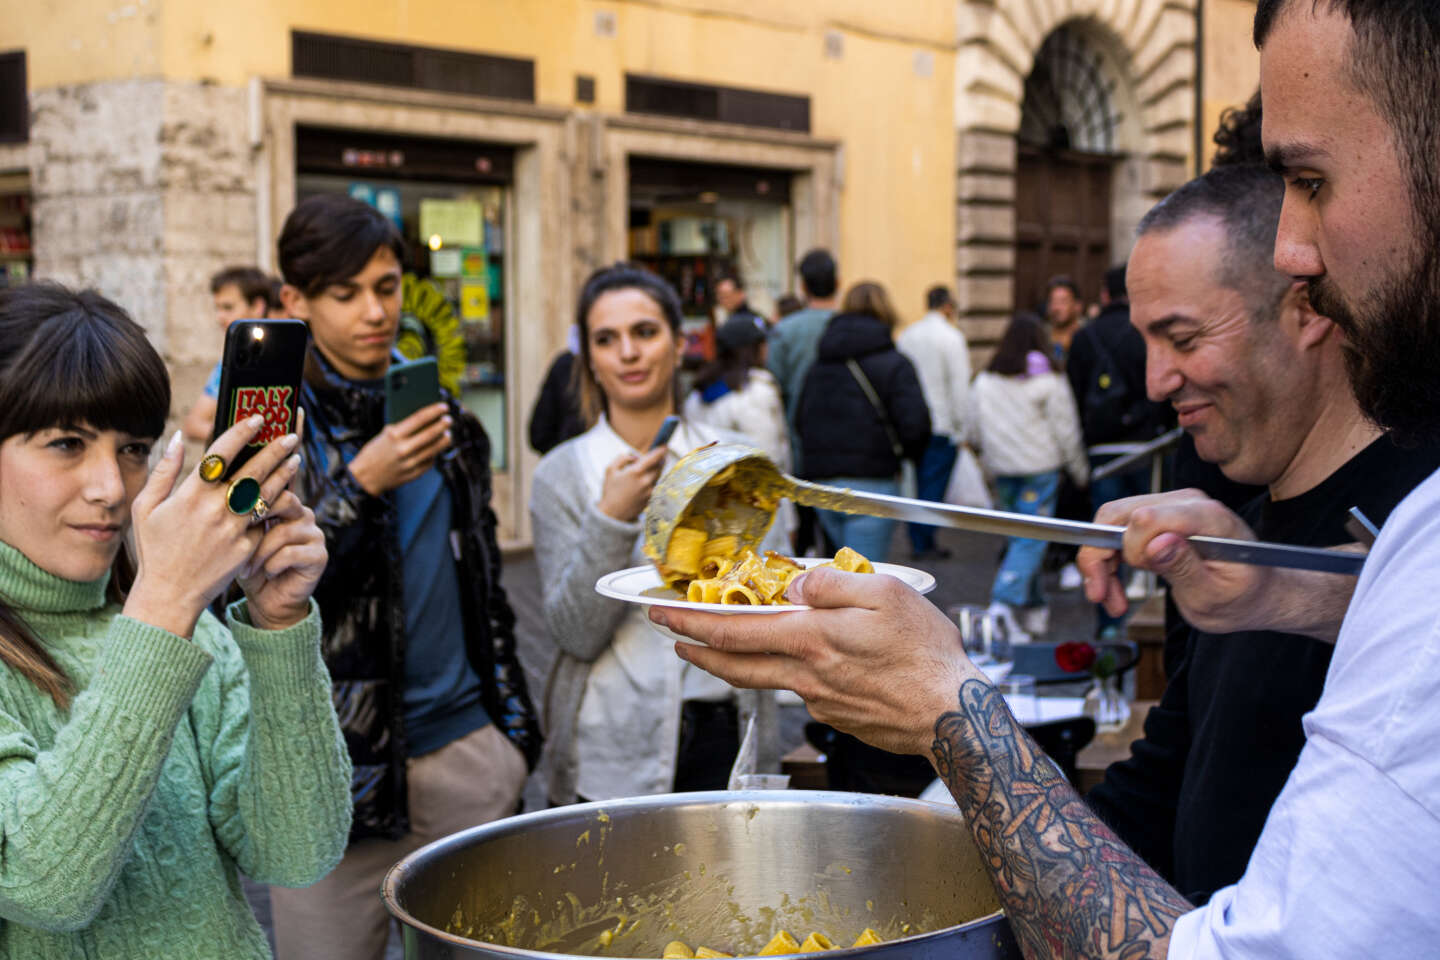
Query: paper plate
point(643, 585)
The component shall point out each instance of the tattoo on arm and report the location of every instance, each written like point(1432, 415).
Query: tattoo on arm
point(1069, 887)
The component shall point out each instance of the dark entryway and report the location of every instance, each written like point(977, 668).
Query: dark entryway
point(1065, 167)
point(1062, 221)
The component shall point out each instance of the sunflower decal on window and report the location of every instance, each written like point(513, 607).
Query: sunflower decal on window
point(430, 328)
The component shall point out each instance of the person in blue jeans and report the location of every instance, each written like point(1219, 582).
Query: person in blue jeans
point(941, 357)
point(1027, 430)
point(1017, 584)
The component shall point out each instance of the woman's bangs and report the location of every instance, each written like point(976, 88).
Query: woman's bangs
point(86, 373)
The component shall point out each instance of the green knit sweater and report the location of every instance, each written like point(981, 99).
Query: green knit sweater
point(123, 819)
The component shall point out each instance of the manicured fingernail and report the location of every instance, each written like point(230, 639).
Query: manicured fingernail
point(174, 443)
point(255, 422)
point(294, 462)
point(657, 615)
point(289, 441)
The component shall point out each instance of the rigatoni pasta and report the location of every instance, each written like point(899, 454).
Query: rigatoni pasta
point(711, 572)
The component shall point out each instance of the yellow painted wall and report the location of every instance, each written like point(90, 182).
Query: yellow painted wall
point(899, 185)
point(1231, 63)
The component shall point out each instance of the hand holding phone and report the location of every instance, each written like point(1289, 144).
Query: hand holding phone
point(260, 373)
point(402, 451)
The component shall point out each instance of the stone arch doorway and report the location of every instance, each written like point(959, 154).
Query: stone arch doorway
point(1067, 150)
point(1140, 54)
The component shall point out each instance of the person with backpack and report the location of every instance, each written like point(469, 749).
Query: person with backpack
point(1107, 374)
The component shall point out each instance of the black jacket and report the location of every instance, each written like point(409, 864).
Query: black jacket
point(1111, 335)
point(556, 417)
point(361, 605)
point(1195, 793)
point(841, 433)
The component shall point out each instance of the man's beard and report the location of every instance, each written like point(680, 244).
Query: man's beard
point(1393, 351)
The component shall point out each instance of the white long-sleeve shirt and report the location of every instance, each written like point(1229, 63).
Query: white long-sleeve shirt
point(1349, 862)
point(1027, 424)
point(942, 360)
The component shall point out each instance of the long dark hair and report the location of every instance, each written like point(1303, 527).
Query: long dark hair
point(68, 359)
point(731, 364)
point(618, 276)
point(1025, 334)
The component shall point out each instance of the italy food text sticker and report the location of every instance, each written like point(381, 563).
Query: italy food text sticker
point(271, 402)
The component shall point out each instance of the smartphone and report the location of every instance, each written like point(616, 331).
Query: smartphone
point(260, 372)
point(662, 436)
point(410, 386)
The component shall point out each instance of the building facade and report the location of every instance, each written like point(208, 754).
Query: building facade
point(520, 143)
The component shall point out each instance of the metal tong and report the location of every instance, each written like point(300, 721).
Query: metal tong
point(687, 488)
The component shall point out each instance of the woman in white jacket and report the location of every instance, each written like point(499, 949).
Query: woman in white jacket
point(1027, 429)
point(737, 393)
point(623, 715)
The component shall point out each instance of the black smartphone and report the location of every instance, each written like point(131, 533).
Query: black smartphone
point(410, 386)
point(662, 436)
point(260, 373)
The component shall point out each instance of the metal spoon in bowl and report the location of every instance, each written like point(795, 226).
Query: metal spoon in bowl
point(688, 490)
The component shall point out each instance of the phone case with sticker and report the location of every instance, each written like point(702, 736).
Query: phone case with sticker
point(260, 373)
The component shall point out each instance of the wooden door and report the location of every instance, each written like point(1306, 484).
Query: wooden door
point(1062, 222)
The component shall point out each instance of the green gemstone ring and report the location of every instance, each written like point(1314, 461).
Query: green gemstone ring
point(242, 496)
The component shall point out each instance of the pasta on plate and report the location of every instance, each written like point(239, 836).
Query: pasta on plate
point(714, 570)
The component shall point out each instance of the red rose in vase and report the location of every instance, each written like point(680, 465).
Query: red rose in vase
point(1075, 657)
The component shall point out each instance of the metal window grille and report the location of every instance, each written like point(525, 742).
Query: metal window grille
point(333, 57)
point(14, 98)
point(696, 101)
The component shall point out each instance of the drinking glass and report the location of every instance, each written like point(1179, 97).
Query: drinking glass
point(1019, 693)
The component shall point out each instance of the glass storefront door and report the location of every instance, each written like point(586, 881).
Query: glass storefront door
point(451, 202)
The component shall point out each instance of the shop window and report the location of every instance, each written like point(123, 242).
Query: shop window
point(697, 101)
point(451, 202)
point(14, 98)
point(332, 57)
point(16, 256)
point(694, 222)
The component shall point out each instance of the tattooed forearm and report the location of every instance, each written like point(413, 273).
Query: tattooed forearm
point(1069, 887)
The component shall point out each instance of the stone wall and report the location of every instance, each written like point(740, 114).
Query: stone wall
point(142, 190)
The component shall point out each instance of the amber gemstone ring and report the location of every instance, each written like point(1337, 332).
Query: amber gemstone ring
point(212, 468)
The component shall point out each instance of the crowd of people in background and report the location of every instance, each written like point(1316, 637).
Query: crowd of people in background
point(309, 688)
point(840, 388)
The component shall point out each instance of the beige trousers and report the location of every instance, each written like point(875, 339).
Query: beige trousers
point(470, 781)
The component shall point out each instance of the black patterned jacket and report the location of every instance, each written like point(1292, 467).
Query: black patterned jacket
point(360, 593)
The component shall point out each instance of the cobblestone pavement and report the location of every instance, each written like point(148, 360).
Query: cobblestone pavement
point(963, 578)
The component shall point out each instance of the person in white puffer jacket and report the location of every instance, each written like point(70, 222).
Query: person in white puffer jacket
point(737, 393)
point(1027, 430)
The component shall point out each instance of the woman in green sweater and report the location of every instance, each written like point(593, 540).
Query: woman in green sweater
point(148, 752)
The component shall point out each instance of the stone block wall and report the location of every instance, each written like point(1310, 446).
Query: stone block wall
point(143, 189)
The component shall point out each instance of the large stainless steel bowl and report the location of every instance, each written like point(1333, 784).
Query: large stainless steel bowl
point(723, 869)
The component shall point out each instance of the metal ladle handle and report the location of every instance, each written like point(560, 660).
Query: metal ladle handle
point(1075, 532)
